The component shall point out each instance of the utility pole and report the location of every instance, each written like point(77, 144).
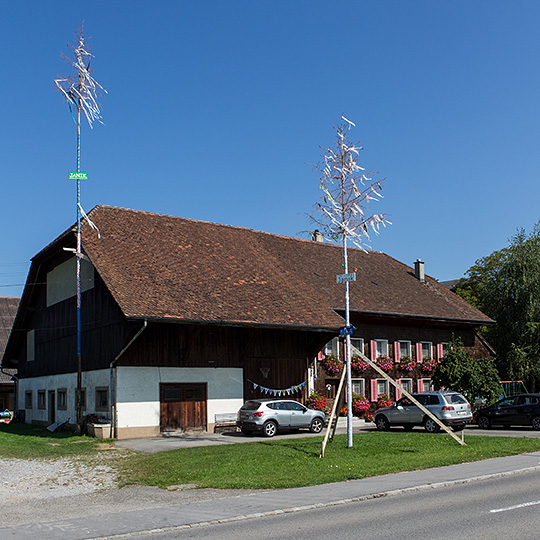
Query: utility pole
point(80, 91)
point(341, 215)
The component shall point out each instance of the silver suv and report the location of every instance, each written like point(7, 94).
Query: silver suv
point(271, 415)
point(449, 407)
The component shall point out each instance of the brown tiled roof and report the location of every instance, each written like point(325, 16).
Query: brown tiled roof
point(171, 268)
point(8, 310)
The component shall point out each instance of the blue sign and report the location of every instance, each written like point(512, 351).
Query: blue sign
point(346, 330)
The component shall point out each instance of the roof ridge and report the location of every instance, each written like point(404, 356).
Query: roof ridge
point(225, 225)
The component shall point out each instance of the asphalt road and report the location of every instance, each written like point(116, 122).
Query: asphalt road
point(445, 502)
point(502, 508)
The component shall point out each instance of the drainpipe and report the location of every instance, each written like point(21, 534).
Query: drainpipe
point(112, 384)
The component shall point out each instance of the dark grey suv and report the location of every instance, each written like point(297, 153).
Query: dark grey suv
point(449, 407)
point(271, 415)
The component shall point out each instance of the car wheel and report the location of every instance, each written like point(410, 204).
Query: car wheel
point(382, 423)
point(431, 426)
point(483, 422)
point(408, 427)
point(270, 428)
point(316, 425)
point(536, 423)
point(246, 431)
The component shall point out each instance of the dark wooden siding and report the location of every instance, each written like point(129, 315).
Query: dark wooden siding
point(287, 353)
point(104, 332)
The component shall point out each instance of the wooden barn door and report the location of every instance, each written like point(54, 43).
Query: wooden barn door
point(183, 406)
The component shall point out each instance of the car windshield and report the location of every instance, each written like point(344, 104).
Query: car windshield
point(456, 398)
point(251, 405)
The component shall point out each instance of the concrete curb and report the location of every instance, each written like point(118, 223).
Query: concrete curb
point(338, 502)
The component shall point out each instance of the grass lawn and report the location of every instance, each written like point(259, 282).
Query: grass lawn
point(26, 441)
point(295, 462)
point(267, 464)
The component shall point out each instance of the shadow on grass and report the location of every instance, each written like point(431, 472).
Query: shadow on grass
point(30, 430)
point(310, 450)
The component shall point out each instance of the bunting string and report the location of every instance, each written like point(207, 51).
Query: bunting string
point(295, 388)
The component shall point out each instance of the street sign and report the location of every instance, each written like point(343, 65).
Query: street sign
point(346, 330)
point(78, 176)
point(342, 278)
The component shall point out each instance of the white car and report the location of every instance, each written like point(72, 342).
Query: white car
point(271, 415)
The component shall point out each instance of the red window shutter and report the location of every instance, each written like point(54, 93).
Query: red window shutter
point(439, 351)
point(373, 347)
point(397, 351)
point(419, 352)
point(420, 385)
point(398, 391)
point(374, 394)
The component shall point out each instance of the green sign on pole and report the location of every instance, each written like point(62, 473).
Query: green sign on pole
point(78, 176)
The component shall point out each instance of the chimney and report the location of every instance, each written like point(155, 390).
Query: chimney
point(419, 270)
point(318, 236)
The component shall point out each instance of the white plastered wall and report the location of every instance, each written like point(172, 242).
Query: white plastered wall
point(137, 390)
point(66, 381)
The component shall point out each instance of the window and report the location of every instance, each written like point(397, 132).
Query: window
point(359, 386)
point(28, 399)
point(426, 350)
point(30, 346)
point(102, 399)
point(381, 347)
point(41, 401)
point(332, 347)
point(406, 384)
point(425, 385)
point(382, 386)
point(442, 349)
point(404, 348)
point(358, 343)
point(61, 396)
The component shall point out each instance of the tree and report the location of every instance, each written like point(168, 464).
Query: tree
point(506, 286)
point(347, 189)
point(473, 378)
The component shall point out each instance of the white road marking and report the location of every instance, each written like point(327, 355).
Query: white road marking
point(515, 507)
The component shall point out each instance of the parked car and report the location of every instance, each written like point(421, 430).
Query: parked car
point(271, 415)
point(520, 410)
point(449, 407)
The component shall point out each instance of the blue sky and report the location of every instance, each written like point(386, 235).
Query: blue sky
point(216, 108)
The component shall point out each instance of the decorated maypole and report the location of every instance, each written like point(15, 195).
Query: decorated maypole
point(347, 189)
point(81, 91)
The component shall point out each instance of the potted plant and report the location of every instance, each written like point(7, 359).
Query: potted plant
point(429, 364)
point(332, 364)
point(385, 363)
point(316, 401)
point(358, 366)
point(406, 363)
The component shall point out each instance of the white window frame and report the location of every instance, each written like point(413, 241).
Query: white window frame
point(407, 346)
point(430, 345)
point(385, 385)
point(361, 383)
point(332, 347)
point(409, 382)
point(426, 383)
point(357, 342)
point(383, 342)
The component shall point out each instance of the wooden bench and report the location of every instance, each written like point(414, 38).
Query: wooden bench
point(224, 422)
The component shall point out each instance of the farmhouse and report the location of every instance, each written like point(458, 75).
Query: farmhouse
point(183, 320)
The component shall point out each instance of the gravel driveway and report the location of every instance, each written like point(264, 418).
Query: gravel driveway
point(44, 491)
